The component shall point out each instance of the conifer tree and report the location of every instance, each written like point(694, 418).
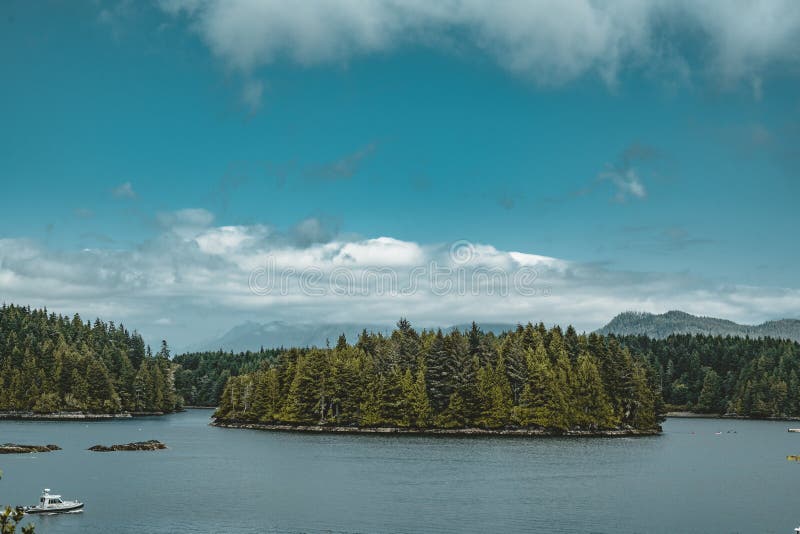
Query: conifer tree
point(420, 404)
point(438, 378)
point(592, 408)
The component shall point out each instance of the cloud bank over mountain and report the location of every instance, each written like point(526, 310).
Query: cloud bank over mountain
point(195, 279)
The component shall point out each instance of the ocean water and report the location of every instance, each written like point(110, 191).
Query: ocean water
point(701, 475)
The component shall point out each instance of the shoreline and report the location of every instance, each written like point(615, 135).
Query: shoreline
point(695, 415)
point(518, 432)
point(76, 416)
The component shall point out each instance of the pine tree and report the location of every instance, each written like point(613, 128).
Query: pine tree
point(420, 406)
point(495, 394)
point(438, 379)
point(592, 408)
point(455, 415)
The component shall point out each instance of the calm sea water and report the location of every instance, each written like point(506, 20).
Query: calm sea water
point(215, 480)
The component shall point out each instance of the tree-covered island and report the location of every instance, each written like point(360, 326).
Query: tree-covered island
point(529, 380)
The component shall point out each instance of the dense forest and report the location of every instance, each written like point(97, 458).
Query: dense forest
point(530, 377)
point(714, 374)
point(50, 363)
point(200, 377)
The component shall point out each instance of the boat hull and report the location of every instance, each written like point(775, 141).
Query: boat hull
point(59, 510)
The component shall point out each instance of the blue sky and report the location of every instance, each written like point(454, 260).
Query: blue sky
point(657, 141)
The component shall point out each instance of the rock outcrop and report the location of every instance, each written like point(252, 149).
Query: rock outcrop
point(619, 432)
point(14, 448)
point(151, 445)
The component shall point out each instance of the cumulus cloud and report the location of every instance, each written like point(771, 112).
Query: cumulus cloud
point(551, 42)
point(124, 190)
point(212, 277)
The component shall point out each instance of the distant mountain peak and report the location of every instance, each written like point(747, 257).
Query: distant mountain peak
point(680, 322)
point(252, 335)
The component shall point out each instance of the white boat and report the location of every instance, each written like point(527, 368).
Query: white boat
point(52, 504)
point(794, 429)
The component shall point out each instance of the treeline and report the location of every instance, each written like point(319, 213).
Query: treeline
point(50, 363)
point(714, 374)
point(531, 377)
point(201, 376)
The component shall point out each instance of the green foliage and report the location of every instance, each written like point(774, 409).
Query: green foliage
point(592, 408)
point(10, 519)
point(200, 377)
point(530, 377)
point(713, 374)
point(49, 363)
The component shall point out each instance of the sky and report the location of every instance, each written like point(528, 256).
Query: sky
point(167, 164)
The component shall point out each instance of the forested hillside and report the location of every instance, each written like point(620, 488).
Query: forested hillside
point(678, 322)
point(201, 376)
point(749, 377)
point(530, 377)
point(50, 362)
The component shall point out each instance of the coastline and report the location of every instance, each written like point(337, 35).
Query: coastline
point(695, 415)
point(75, 416)
point(540, 432)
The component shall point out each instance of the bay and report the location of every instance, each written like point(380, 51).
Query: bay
point(701, 475)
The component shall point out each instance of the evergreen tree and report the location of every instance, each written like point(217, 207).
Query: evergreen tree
point(592, 408)
point(51, 363)
point(438, 378)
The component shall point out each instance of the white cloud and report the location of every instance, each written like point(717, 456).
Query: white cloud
point(200, 276)
point(627, 183)
point(550, 41)
point(383, 251)
point(186, 223)
point(228, 239)
point(124, 190)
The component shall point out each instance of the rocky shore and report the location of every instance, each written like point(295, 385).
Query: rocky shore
point(151, 445)
point(14, 448)
point(74, 416)
point(622, 432)
point(696, 415)
point(62, 416)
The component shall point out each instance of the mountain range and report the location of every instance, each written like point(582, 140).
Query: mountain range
point(678, 322)
point(252, 335)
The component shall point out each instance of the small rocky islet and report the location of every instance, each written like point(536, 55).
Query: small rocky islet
point(15, 448)
point(150, 445)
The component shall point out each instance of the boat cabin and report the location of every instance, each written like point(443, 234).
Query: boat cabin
point(48, 500)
